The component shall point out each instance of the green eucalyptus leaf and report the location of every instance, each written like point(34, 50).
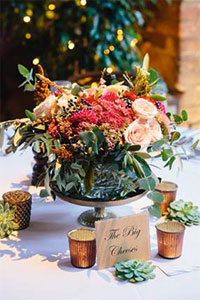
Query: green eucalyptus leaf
point(44, 193)
point(155, 196)
point(155, 210)
point(23, 70)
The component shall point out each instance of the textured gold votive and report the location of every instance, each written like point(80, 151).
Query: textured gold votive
point(82, 245)
point(168, 190)
point(23, 201)
point(170, 239)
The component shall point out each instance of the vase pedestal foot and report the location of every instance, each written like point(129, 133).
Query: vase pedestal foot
point(89, 217)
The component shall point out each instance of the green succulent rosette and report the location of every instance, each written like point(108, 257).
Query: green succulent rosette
point(134, 270)
point(184, 212)
point(7, 217)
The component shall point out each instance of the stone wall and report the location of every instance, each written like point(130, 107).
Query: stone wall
point(172, 38)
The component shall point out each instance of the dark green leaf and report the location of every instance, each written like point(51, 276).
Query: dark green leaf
point(158, 97)
point(89, 179)
point(153, 75)
point(175, 135)
point(133, 148)
point(184, 115)
point(178, 120)
point(170, 162)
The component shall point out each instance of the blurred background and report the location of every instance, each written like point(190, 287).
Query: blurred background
point(76, 39)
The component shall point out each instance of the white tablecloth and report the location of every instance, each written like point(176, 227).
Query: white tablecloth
point(35, 264)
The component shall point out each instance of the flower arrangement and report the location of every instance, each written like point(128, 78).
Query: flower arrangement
point(99, 138)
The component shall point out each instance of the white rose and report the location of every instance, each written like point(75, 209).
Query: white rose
point(46, 108)
point(138, 133)
point(156, 132)
point(144, 109)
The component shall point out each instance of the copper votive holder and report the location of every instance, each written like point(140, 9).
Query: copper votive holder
point(82, 245)
point(170, 239)
point(168, 190)
point(22, 201)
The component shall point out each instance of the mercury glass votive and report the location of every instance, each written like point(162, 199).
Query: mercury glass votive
point(168, 190)
point(170, 239)
point(22, 201)
point(82, 245)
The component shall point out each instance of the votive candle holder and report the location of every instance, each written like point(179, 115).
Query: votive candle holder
point(170, 239)
point(168, 189)
point(82, 245)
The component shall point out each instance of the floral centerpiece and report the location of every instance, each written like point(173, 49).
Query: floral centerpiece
point(99, 138)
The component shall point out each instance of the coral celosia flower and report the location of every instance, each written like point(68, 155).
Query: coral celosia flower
point(86, 116)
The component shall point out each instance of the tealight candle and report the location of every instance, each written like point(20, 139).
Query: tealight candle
point(168, 190)
point(82, 244)
point(170, 239)
point(23, 201)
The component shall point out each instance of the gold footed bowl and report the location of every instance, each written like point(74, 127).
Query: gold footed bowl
point(89, 217)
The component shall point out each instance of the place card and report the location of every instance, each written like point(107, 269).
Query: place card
point(121, 239)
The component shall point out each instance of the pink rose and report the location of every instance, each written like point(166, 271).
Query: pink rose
point(138, 133)
point(156, 132)
point(144, 109)
point(46, 108)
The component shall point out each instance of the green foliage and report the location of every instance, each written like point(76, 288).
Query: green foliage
point(184, 212)
point(134, 271)
point(29, 115)
point(92, 28)
point(29, 83)
point(7, 223)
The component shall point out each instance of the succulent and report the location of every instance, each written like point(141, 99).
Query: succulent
point(134, 270)
point(7, 223)
point(184, 212)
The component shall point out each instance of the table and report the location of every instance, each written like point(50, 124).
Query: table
point(35, 264)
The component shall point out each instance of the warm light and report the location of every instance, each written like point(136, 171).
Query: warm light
point(28, 36)
point(50, 14)
point(51, 6)
point(119, 32)
point(83, 19)
point(71, 45)
point(83, 2)
point(29, 12)
point(106, 51)
point(26, 19)
point(109, 70)
point(96, 57)
point(112, 48)
point(133, 43)
point(36, 61)
point(63, 48)
point(120, 38)
point(94, 84)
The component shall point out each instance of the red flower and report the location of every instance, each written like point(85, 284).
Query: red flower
point(131, 95)
point(110, 96)
point(86, 116)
